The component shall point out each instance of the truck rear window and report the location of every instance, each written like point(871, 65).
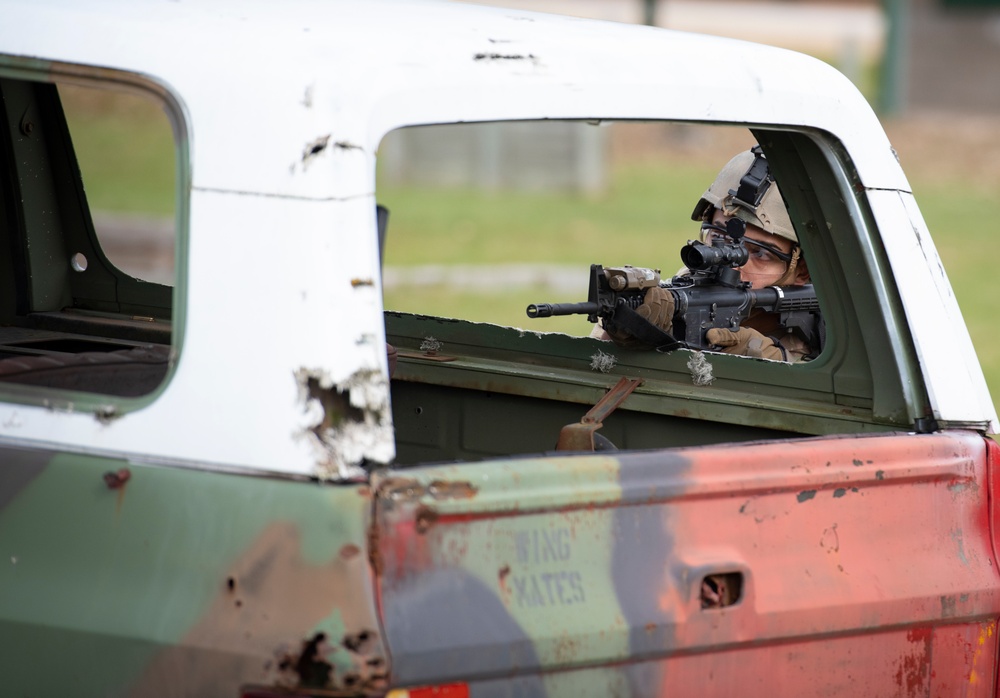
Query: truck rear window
point(88, 199)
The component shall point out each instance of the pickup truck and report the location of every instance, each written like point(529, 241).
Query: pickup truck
point(251, 478)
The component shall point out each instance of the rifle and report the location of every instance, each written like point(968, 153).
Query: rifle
point(712, 295)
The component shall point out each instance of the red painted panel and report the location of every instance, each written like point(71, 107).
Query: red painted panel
point(860, 566)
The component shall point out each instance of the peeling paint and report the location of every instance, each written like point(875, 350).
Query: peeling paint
point(106, 414)
point(913, 671)
point(400, 490)
point(430, 345)
point(443, 489)
point(320, 664)
point(959, 539)
point(348, 422)
point(602, 362)
point(701, 369)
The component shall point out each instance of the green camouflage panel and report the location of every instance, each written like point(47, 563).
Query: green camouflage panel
point(119, 578)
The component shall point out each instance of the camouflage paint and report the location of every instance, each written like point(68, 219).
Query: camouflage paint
point(867, 568)
point(131, 579)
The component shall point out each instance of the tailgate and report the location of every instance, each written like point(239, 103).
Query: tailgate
point(827, 566)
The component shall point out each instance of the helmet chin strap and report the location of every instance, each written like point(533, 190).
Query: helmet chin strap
point(789, 276)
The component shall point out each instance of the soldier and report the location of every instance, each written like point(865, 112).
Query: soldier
point(744, 190)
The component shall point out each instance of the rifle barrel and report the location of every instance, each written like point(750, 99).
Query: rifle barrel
point(551, 309)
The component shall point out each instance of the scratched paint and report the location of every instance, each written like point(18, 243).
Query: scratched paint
point(347, 422)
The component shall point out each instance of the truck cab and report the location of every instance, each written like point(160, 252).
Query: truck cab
point(279, 461)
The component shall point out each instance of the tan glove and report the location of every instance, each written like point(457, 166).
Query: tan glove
point(657, 307)
point(745, 342)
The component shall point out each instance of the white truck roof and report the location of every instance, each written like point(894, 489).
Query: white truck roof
point(290, 101)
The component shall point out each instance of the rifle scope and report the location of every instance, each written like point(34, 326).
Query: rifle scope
point(697, 256)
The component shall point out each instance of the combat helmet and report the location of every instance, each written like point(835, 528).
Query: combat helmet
point(746, 190)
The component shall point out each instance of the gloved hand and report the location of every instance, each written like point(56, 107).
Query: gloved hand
point(657, 307)
point(745, 341)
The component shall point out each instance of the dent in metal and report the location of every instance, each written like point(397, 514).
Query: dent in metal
point(348, 422)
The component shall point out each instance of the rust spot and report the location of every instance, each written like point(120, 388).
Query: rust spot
point(442, 489)
point(426, 517)
point(116, 479)
point(358, 641)
point(400, 489)
point(349, 551)
point(374, 558)
point(362, 282)
point(650, 628)
point(310, 667)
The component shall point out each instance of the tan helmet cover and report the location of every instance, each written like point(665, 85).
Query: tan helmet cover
point(769, 215)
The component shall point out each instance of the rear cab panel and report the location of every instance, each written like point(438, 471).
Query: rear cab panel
point(872, 552)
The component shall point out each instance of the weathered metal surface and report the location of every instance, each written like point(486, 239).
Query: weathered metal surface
point(821, 567)
point(145, 580)
point(865, 567)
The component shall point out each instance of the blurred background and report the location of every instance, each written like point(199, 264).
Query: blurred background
point(928, 67)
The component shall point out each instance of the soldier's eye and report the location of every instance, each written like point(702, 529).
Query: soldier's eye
point(760, 254)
